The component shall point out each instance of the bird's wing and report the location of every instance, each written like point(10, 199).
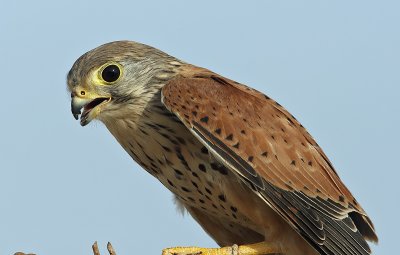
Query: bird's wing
point(272, 152)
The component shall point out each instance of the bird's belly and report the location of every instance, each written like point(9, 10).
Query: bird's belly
point(199, 181)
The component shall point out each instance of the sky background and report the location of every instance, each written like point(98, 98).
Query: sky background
point(333, 64)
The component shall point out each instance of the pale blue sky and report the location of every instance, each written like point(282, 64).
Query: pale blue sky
point(333, 64)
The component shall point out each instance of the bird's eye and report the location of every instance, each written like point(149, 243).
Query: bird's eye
point(111, 73)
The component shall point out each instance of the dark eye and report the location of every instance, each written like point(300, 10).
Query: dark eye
point(111, 73)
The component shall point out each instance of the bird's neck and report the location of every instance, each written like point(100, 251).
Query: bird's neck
point(138, 129)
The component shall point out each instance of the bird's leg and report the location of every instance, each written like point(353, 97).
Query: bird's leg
point(251, 249)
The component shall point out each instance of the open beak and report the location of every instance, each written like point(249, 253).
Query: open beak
point(91, 108)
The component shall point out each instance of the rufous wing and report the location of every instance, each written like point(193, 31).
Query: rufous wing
point(271, 151)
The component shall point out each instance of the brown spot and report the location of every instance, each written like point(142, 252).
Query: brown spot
point(155, 172)
point(288, 186)
point(243, 132)
point(204, 150)
point(229, 137)
point(220, 168)
point(309, 163)
point(223, 170)
point(234, 209)
point(148, 157)
point(219, 80)
point(264, 154)
point(204, 119)
point(218, 131)
point(293, 162)
point(290, 121)
point(194, 113)
point(202, 168)
point(181, 140)
point(166, 148)
point(214, 166)
point(170, 183)
point(250, 159)
point(185, 189)
point(341, 198)
point(201, 201)
point(144, 132)
point(236, 145)
point(195, 184)
point(208, 191)
point(222, 198)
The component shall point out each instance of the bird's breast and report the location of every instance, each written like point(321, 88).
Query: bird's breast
point(166, 149)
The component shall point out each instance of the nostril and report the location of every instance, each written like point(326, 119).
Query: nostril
point(83, 93)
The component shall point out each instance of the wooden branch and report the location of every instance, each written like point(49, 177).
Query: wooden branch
point(95, 248)
point(110, 249)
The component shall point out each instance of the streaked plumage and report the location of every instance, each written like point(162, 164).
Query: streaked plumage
point(243, 166)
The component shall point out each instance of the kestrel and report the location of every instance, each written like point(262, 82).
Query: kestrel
point(243, 167)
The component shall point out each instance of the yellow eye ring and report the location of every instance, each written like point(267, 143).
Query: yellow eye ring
point(110, 73)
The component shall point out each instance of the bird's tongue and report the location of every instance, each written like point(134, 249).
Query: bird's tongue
point(87, 108)
point(85, 112)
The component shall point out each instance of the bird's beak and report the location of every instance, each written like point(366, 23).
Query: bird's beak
point(91, 107)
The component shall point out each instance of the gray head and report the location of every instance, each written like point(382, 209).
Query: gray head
point(115, 77)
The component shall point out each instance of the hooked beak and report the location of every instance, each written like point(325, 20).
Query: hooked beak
point(91, 107)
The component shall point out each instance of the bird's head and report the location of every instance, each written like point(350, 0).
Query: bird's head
point(117, 78)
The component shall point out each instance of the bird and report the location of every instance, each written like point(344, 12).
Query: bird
point(236, 160)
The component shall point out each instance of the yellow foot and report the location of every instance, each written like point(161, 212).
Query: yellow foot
point(252, 249)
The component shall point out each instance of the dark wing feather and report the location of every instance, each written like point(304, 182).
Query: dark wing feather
point(260, 141)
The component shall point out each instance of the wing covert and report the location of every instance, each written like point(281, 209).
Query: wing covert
point(260, 141)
